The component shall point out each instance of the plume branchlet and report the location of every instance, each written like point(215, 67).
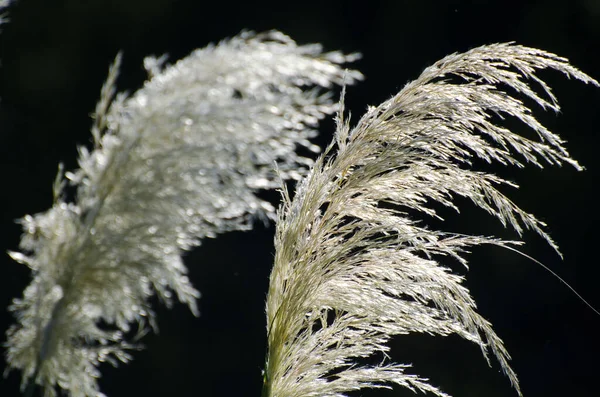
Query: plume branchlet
point(353, 264)
point(178, 161)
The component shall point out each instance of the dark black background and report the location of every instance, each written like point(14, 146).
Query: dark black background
point(55, 56)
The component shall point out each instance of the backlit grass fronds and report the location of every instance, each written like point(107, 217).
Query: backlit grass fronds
point(353, 268)
point(178, 161)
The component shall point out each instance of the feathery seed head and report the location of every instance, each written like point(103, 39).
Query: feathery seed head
point(178, 161)
point(352, 269)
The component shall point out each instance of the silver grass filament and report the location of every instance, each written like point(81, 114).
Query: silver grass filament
point(178, 161)
point(353, 265)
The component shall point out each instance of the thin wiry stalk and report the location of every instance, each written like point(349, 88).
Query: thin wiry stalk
point(178, 161)
point(353, 268)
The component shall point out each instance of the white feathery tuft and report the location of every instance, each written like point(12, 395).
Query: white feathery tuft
point(353, 268)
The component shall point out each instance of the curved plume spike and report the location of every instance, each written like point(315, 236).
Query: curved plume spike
point(352, 269)
point(179, 161)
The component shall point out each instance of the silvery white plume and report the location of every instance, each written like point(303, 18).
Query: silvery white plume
point(178, 161)
point(354, 266)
